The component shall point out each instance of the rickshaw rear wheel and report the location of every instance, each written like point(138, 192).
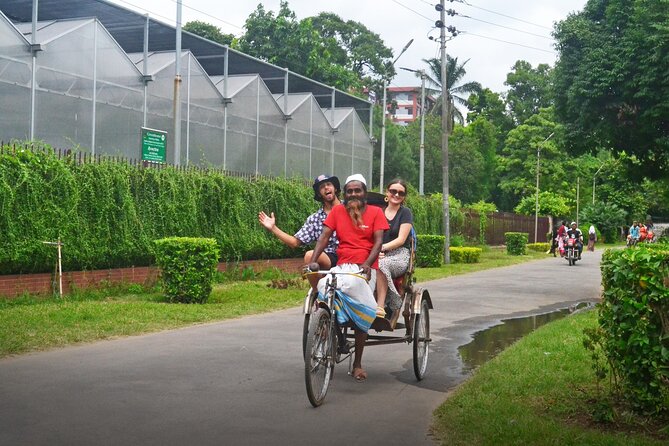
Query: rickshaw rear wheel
point(421, 339)
point(319, 356)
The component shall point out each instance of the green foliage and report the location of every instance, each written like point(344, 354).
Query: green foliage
point(606, 217)
point(187, 267)
point(430, 251)
point(610, 82)
point(208, 31)
point(539, 247)
point(634, 317)
point(529, 90)
point(465, 255)
point(550, 203)
point(324, 48)
point(107, 213)
point(517, 164)
point(516, 243)
point(483, 209)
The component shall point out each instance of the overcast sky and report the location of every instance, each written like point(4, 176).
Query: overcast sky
point(493, 34)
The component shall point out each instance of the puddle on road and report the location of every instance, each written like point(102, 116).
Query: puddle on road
point(489, 342)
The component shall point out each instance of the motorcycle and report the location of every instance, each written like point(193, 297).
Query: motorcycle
point(571, 252)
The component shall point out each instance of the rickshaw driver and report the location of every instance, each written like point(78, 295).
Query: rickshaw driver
point(360, 231)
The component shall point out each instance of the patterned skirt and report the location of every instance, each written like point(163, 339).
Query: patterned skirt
point(394, 264)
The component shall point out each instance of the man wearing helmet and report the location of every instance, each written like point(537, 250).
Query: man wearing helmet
point(578, 235)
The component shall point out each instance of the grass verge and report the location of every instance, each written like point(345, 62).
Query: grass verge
point(539, 391)
point(32, 323)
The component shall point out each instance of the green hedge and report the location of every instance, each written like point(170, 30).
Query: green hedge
point(430, 251)
point(187, 267)
point(516, 243)
point(108, 213)
point(540, 247)
point(465, 255)
point(634, 317)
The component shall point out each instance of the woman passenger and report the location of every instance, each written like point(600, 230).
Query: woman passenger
point(396, 248)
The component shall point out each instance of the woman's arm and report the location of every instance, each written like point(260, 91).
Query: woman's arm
point(405, 230)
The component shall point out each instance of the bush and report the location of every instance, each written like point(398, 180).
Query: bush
point(457, 240)
point(108, 213)
point(539, 247)
point(634, 317)
point(430, 252)
point(465, 255)
point(188, 266)
point(516, 243)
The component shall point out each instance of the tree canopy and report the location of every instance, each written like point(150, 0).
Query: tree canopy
point(611, 83)
point(208, 31)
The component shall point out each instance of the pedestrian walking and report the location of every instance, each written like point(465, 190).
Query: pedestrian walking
point(592, 238)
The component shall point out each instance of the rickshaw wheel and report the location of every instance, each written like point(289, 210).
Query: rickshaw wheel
point(319, 358)
point(421, 340)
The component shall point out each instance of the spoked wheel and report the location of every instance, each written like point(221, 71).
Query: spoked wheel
point(421, 340)
point(319, 359)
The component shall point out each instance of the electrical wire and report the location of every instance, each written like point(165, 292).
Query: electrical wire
point(506, 41)
point(503, 15)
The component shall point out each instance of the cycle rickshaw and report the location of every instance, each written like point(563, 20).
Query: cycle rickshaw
point(326, 344)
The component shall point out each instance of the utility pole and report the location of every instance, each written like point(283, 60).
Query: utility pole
point(383, 119)
point(445, 116)
point(177, 91)
point(421, 174)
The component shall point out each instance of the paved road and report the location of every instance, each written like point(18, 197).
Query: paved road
point(241, 382)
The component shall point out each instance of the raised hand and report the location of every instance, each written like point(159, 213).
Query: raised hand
point(268, 221)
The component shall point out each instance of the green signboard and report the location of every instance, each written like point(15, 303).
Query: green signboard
point(154, 143)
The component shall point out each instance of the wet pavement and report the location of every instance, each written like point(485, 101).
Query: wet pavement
point(241, 382)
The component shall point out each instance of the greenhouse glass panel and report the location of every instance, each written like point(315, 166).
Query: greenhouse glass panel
point(271, 141)
point(64, 96)
point(298, 151)
point(321, 143)
point(204, 145)
point(15, 78)
point(242, 123)
point(119, 100)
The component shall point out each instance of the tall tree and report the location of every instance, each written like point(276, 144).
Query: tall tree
point(529, 90)
point(611, 83)
point(517, 166)
point(325, 48)
point(208, 31)
point(454, 75)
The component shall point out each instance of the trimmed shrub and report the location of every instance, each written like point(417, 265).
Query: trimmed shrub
point(539, 247)
point(634, 318)
point(465, 255)
point(430, 252)
point(516, 243)
point(187, 266)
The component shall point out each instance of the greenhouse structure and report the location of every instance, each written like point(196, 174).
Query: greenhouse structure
point(92, 75)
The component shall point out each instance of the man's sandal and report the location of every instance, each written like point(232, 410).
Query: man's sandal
point(380, 312)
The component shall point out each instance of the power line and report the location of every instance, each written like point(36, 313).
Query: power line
point(504, 15)
point(430, 19)
point(506, 41)
point(170, 19)
point(508, 27)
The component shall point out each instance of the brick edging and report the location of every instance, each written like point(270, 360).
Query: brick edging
point(13, 285)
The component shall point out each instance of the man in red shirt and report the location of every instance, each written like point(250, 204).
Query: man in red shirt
point(360, 231)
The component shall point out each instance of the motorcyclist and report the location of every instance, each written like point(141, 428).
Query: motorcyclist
point(578, 235)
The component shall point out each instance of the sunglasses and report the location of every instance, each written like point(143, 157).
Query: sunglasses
point(400, 193)
point(357, 190)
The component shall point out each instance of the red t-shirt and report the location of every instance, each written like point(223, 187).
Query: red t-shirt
point(355, 242)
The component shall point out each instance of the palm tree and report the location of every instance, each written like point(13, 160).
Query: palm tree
point(454, 75)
